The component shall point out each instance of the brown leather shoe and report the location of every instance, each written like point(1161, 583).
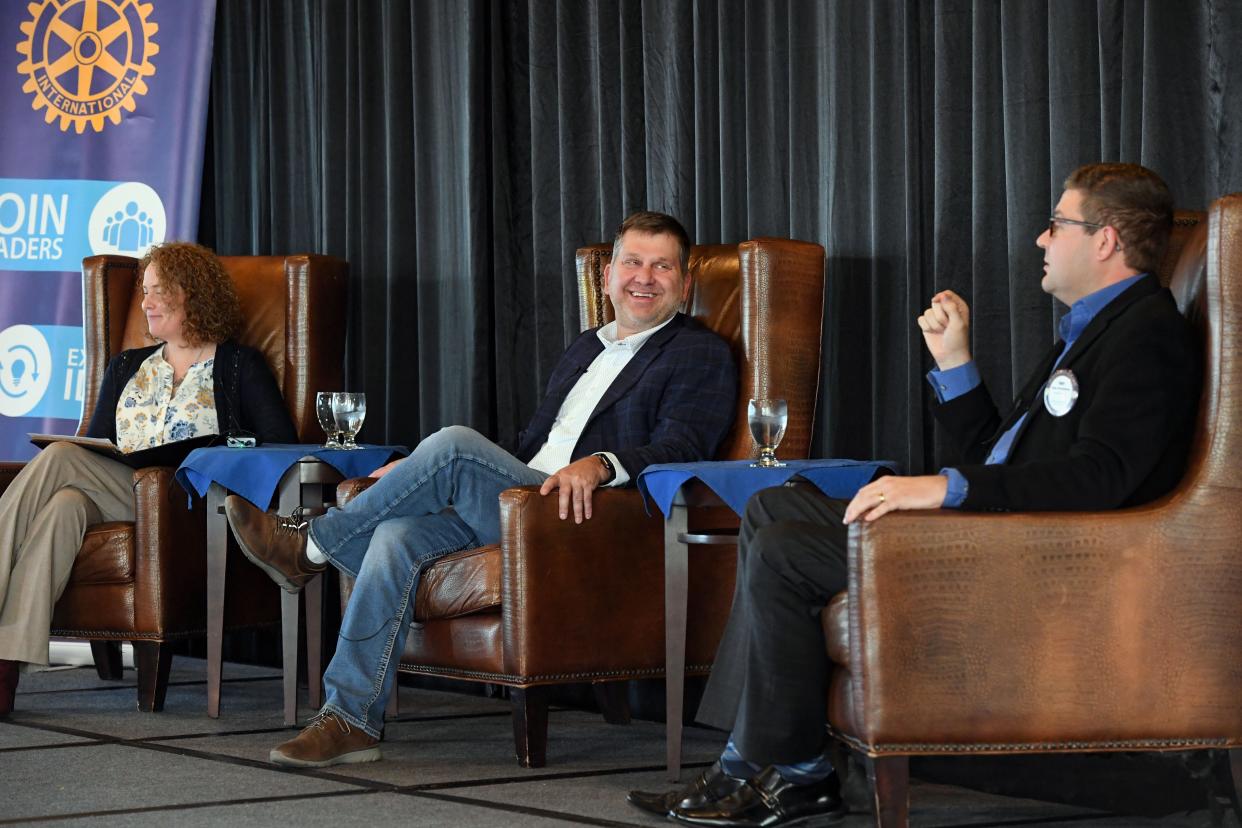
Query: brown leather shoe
point(275, 544)
point(327, 740)
point(10, 672)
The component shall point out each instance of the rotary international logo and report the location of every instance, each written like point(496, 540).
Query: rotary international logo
point(86, 60)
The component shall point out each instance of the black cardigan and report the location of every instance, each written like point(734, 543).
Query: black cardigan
point(247, 398)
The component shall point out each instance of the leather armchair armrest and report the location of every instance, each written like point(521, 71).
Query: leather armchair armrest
point(348, 489)
point(1034, 628)
point(8, 471)
point(568, 588)
point(169, 549)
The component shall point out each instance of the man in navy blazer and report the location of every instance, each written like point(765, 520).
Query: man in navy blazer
point(1105, 421)
point(653, 386)
point(680, 379)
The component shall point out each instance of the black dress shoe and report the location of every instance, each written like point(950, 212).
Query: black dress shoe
point(768, 800)
point(711, 785)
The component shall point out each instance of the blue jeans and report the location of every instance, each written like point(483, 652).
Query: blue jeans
point(443, 497)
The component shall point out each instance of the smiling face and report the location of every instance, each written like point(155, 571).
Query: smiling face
point(645, 281)
point(163, 308)
point(1071, 252)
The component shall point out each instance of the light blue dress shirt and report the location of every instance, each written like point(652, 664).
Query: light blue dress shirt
point(957, 381)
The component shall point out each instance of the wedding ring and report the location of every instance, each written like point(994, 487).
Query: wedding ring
point(881, 497)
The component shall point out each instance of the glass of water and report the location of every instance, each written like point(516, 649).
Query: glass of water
point(349, 410)
point(327, 419)
point(767, 426)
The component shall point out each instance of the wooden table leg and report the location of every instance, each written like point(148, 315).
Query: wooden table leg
point(314, 640)
point(289, 499)
point(311, 495)
point(217, 559)
point(676, 585)
point(289, 651)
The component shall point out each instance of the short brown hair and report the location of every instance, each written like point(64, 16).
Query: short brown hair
point(655, 224)
point(1134, 201)
point(212, 312)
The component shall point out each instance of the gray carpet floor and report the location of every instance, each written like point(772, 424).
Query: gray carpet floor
point(75, 751)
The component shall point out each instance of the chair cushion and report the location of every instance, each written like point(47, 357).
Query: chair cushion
point(460, 583)
point(106, 556)
point(467, 648)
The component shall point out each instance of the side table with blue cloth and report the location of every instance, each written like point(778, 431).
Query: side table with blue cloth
point(254, 473)
point(297, 473)
point(733, 481)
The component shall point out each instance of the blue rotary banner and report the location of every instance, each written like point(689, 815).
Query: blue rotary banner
point(104, 109)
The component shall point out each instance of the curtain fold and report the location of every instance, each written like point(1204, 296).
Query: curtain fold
point(458, 152)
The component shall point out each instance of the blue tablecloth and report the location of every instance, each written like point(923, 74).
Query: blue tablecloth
point(254, 473)
point(736, 480)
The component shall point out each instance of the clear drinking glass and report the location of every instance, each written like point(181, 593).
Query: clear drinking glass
point(767, 426)
point(327, 420)
point(349, 409)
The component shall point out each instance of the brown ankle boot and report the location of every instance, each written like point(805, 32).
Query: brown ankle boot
point(327, 740)
point(9, 673)
point(276, 544)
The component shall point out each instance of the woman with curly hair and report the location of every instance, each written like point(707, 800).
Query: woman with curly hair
point(193, 382)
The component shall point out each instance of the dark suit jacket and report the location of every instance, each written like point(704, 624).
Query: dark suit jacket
point(672, 403)
point(1126, 439)
point(247, 398)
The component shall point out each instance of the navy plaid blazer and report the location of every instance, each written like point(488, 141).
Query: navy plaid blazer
point(672, 403)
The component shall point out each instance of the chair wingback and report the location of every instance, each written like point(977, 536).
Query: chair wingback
point(293, 311)
point(109, 286)
point(1199, 268)
point(1213, 299)
point(765, 297)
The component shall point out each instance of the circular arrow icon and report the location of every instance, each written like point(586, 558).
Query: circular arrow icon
point(25, 369)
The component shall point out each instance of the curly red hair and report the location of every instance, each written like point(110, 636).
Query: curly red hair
point(212, 312)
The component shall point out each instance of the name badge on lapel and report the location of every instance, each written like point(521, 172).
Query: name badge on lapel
point(1061, 392)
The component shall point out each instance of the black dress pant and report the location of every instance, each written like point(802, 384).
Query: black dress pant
point(769, 684)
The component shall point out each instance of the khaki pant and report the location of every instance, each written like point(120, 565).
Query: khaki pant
point(43, 518)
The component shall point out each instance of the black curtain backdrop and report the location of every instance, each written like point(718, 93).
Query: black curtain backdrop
point(457, 152)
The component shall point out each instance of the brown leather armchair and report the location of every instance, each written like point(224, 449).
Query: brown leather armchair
point(967, 633)
point(556, 602)
point(145, 581)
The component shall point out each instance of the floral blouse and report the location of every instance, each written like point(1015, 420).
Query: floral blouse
point(153, 411)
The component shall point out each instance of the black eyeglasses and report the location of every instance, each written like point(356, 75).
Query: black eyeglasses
point(1054, 220)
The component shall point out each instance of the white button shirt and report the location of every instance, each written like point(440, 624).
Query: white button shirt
point(581, 400)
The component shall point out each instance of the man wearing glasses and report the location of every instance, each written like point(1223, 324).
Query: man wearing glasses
point(1104, 422)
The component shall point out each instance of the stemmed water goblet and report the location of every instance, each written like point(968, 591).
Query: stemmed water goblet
point(767, 418)
point(327, 419)
point(349, 410)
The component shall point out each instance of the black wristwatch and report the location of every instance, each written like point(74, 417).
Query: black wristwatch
point(612, 470)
